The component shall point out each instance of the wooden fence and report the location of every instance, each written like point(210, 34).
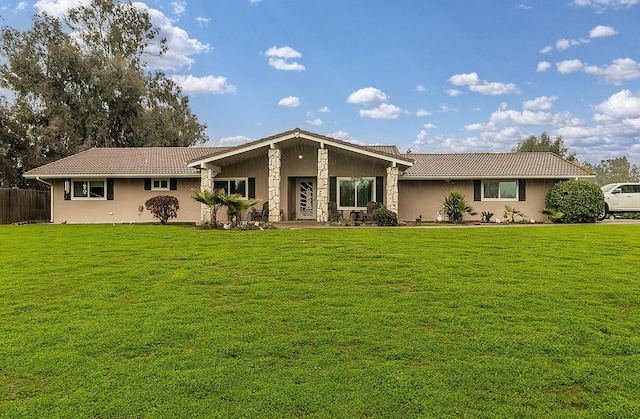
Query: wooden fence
point(24, 206)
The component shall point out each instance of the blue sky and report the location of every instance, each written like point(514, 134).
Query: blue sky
point(432, 76)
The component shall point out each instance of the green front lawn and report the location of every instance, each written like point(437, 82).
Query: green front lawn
point(172, 321)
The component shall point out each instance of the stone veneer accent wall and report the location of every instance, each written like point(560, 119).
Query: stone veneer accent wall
point(392, 189)
point(206, 184)
point(322, 194)
point(275, 161)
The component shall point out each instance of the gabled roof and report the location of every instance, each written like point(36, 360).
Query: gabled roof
point(125, 162)
point(388, 153)
point(493, 165)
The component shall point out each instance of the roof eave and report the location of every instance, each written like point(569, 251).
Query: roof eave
point(507, 176)
point(110, 175)
point(297, 134)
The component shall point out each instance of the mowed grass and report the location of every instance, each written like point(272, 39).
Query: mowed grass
point(173, 321)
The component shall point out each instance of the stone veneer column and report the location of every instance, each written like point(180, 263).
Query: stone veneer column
point(206, 184)
point(275, 161)
point(322, 194)
point(392, 189)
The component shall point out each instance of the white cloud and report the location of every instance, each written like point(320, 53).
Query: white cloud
point(622, 69)
point(429, 126)
point(546, 49)
point(447, 109)
point(495, 88)
point(231, 141)
point(22, 5)
point(203, 21)
point(421, 113)
point(291, 102)
point(316, 122)
point(179, 7)
point(56, 8)
point(420, 88)
point(623, 104)
point(569, 66)
point(208, 84)
point(368, 96)
point(467, 79)
point(384, 111)
point(344, 136)
point(543, 66)
point(454, 92)
point(604, 4)
point(543, 103)
point(324, 109)
point(601, 31)
point(254, 1)
point(279, 58)
point(481, 86)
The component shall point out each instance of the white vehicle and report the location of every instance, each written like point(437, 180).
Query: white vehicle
point(621, 197)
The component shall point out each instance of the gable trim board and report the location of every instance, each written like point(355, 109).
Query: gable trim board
point(410, 184)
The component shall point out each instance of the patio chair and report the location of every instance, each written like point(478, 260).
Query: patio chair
point(334, 215)
point(254, 214)
point(265, 211)
point(371, 207)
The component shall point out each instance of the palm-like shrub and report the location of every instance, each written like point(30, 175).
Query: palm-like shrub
point(213, 199)
point(455, 206)
point(237, 205)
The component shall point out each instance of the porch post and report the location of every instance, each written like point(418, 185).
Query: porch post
point(392, 189)
point(322, 196)
point(275, 162)
point(206, 184)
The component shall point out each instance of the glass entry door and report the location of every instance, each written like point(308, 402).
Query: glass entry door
point(306, 202)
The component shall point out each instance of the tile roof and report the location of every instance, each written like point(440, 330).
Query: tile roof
point(522, 165)
point(387, 149)
point(126, 161)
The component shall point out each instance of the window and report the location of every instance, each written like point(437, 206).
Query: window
point(89, 189)
point(494, 190)
point(355, 193)
point(231, 186)
point(160, 184)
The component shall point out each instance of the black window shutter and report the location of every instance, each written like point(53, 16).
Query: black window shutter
point(380, 189)
point(173, 184)
point(252, 188)
point(477, 190)
point(147, 184)
point(522, 190)
point(67, 189)
point(333, 189)
point(109, 189)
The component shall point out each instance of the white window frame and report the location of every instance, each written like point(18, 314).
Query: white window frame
point(229, 180)
point(160, 188)
point(88, 197)
point(515, 198)
point(338, 195)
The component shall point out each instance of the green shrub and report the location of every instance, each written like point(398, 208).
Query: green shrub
point(455, 206)
point(163, 207)
point(385, 217)
point(575, 201)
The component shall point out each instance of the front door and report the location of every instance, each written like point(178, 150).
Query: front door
point(306, 200)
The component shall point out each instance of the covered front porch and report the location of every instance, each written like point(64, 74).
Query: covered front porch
point(304, 176)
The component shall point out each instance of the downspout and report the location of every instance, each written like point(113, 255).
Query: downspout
point(50, 185)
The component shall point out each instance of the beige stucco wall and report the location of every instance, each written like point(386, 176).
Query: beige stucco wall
point(424, 197)
point(129, 195)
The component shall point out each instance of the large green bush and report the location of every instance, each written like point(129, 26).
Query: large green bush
point(575, 201)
